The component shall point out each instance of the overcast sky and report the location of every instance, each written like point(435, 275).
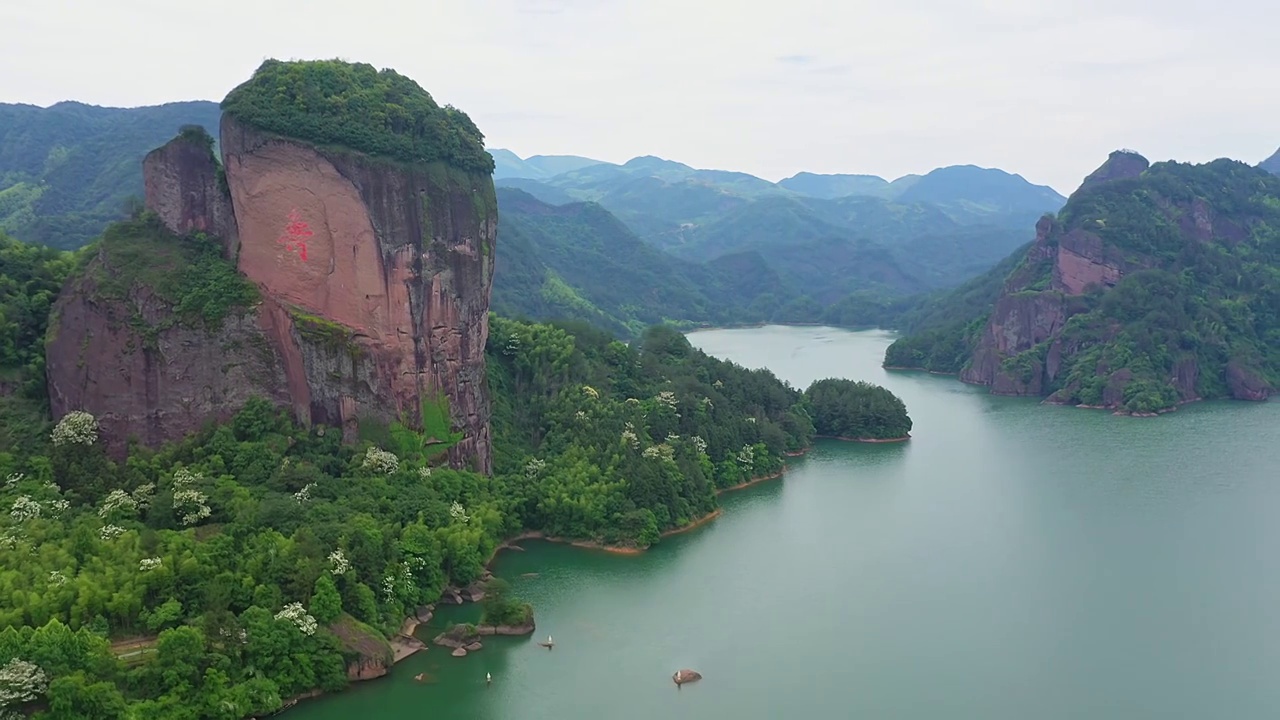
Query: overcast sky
point(1044, 88)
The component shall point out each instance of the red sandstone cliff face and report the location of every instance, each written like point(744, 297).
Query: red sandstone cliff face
point(400, 258)
point(181, 185)
point(1029, 312)
point(144, 377)
point(375, 280)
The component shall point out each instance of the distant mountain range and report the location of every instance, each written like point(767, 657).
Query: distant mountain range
point(621, 246)
point(881, 239)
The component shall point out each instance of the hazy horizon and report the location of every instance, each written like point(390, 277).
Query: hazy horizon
point(1026, 86)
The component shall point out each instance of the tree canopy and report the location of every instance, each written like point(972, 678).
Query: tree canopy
point(354, 105)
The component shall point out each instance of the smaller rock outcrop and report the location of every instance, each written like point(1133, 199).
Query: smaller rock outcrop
point(185, 186)
point(686, 676)
point(457, 636)
point(373, 655)
point(1120, 165)
point(1271, 164)
point(459, 652)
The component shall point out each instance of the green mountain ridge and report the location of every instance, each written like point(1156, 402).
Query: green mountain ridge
point(68, 169)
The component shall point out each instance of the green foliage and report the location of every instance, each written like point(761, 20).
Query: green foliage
point(1196, 313)
point(616, 443)
point(326, 603)
point(856, 410)
point(67, 170)
point(30, 278)
point(500, 608)
point(324, 333)
point(355, 106)
point(142, 256)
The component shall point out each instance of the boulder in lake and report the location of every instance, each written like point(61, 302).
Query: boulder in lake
point(459, 652)
point(685, 676)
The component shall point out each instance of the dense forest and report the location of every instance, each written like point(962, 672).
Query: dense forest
point(354, 105)
point(222, 575)
point(1195, 312)
point(856, 410)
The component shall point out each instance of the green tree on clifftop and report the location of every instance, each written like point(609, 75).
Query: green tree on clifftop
point(354, 105)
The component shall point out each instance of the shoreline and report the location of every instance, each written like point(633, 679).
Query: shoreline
point(905, 368)
point(841, 438)
point(509, 543)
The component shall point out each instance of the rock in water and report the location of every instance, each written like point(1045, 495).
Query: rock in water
point(686, 676)
point(459, 652)
point(369, 249)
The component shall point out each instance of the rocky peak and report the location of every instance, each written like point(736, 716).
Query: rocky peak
point(370, 255)
point(1272, 164)
point(184, 185)
point(1120, 165)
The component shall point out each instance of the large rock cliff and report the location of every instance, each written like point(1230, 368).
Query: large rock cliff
point(1155, 285)
point(378, 279)
point(372, 278)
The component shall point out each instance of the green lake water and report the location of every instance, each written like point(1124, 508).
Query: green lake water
point(1013, 560)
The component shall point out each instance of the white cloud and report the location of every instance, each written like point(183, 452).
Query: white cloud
point(1043, 88)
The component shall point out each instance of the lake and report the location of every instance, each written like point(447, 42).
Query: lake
point(1012, 560)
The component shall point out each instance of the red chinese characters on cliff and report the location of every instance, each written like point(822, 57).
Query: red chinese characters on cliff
point(295, 235)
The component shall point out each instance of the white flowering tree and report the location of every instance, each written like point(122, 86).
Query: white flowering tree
point(338, 562)
point(20, 682)
point(304, 494)
point(75, 428)
point(298, 615)
point(189, 504)
point(117, 504)
point(381, 461)
point(459, 513)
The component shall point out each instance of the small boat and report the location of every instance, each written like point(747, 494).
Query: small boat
point(488, 678)
point(548, 644)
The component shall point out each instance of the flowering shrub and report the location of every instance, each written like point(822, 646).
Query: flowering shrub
point(424, 472)
point(187, 500)
point(533, 467)
point(56, 578)
point(298, 615)
point(24, 508)
point(661, 451)
point(747, 455)
point(380, 460)
point(75, 428)
point(459, 513)
point(117, 502)
point(629, 436)
point(304, 494)
point(110, 532)
point(700, 444)
point(338, 563)
point(149, 564)
point(590, 392)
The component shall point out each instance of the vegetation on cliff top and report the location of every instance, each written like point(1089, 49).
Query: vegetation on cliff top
point(855, 410)
point(354, 105)
point(140, 255)
point(1196, 315)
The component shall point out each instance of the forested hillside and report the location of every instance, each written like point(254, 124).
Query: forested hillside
point(256, 560)
point(1153, 286)
point(67, 170)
